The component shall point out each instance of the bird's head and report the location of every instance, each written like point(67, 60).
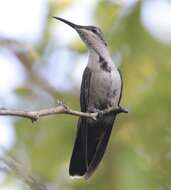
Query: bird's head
point(91, 35)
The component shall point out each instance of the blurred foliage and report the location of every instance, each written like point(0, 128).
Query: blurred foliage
point(139, 152)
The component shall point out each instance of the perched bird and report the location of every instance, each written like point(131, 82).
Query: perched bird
point(101, 88)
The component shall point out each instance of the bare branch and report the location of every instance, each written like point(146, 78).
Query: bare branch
point(59, 109)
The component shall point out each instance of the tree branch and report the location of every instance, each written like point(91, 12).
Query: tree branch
point(59, 109)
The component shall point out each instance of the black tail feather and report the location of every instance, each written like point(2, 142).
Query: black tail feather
point(78, 159)
point(90, 144)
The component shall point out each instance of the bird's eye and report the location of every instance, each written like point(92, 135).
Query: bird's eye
point(94, 30)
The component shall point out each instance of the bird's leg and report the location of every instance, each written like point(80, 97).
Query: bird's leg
point(99, 112)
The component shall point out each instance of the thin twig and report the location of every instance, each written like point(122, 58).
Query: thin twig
point(59, 109)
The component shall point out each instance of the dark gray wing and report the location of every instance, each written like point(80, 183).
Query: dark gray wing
point(85, 86)
point(121, 87)
point(78, 163)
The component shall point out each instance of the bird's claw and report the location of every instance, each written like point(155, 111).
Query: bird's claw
point(100, 114)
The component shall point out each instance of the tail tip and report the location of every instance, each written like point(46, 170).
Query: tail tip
point(75, 176)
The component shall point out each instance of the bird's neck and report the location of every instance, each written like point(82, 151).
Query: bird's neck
point(100, 60)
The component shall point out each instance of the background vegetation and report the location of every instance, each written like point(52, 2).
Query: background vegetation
point(139, 152)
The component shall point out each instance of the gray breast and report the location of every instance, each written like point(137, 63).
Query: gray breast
point(105, 89)
point(105, 84)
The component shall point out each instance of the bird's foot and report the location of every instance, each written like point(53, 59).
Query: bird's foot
point(100, 113)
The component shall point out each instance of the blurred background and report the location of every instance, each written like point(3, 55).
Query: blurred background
point(42, 60)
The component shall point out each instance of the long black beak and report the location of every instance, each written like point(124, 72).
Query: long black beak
point(75, 26)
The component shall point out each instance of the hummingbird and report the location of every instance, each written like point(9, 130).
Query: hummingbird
point(101, 88)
